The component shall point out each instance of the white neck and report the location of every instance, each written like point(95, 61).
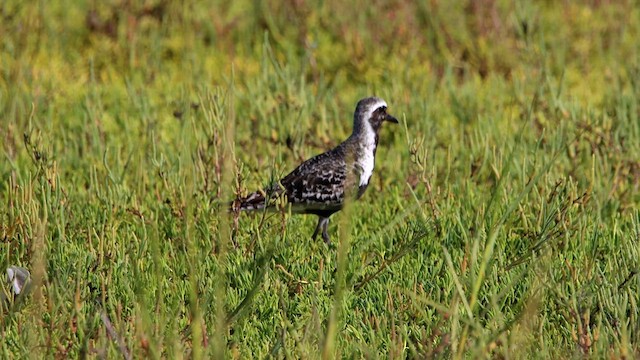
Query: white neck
point(366, 139)
point(367, 159)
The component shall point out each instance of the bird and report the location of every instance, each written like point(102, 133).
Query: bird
point(321, 184)
point(18, 285)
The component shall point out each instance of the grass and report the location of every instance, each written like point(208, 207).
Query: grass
point(502, 220)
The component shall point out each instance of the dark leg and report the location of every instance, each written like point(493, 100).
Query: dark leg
point(325, 235)
point(317, 230)
point(323, 222)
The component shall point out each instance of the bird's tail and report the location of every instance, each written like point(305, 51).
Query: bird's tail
point(253, 201)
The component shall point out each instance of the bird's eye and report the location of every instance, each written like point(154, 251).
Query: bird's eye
point(382, 108)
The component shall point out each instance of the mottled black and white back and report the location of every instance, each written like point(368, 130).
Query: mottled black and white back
point(319, 185)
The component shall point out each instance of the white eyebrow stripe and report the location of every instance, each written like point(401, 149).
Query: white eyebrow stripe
point(375, 107)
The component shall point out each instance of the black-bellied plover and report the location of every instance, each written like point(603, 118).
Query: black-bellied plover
point(319, 185)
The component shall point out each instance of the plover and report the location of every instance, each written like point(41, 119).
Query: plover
point(319, 185)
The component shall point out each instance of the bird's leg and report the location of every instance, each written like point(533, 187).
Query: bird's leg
point(317, 230)
point(325, 234)
point(323, 222)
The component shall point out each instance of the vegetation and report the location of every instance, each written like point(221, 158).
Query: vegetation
point(502, 219)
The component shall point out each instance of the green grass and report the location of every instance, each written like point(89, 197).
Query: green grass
point(502, 219)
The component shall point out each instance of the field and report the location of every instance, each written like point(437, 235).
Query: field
point(502, 219)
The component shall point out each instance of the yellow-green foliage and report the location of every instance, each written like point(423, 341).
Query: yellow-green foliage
point(502, 219)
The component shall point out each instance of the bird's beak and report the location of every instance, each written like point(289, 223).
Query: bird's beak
point(390, 118)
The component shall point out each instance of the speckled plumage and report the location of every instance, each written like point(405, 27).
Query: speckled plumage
point(318, 185)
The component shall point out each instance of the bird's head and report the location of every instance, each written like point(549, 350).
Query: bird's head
point(370, 113)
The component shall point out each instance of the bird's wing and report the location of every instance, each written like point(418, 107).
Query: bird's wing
point(319, 182)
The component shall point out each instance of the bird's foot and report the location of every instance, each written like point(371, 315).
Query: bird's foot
point(326, 238)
